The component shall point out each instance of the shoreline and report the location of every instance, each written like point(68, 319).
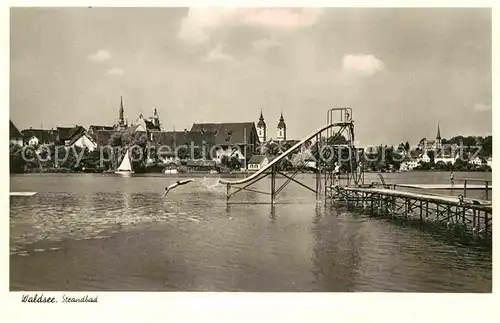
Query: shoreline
point(232, 173)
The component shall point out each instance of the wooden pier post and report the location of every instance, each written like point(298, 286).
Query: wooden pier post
point(485, 223)
point(273, 184)
point(465, 188)
point(394, 204)
point(400, 204)
point(318, 183)
point(478, 220)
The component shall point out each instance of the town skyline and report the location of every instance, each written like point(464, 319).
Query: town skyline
point(196, 65)
point(269, 134)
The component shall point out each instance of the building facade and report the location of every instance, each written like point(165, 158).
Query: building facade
point(281, 129)
point(257, 162)
point(261, 128)
point(121, 124)
point(436, 144)
point(239, 140)
point(15, 136)
point(38, 137)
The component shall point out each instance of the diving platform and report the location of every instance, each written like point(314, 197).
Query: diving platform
point(22, 194)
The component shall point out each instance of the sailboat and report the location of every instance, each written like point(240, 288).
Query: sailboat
point(125, 167)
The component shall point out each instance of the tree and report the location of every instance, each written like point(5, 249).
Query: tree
point(272, 149)
point(16, 159)
point(235, 163)
point(285, 164)
point(407, 146)
point(70, 156)
point(337, 140)
point(183, 153)
point(115, 140)
point(126, 140)
point(224, 161)
point(93, 159)
point(431, 155)
point(486, 147)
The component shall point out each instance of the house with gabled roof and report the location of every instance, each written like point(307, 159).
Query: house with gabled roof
point(64, 134)
point(174, 139)
point(75, 136)
point(177, 145)
point(93, 129)
point(476, 161)
point(15, 136)
point(83, 139)
point(412, 160)
point(39, 137)
point(257, 162)
point(238, 139)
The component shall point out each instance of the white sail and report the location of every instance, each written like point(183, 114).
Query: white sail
point(125, 166)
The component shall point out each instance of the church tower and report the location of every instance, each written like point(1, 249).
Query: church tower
point(156, 119)
point(281, 135)
point(438, 138)
point(121, 119)
point(261, 128)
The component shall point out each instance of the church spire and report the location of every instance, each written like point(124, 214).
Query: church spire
point(281, 128)
point(281, 124)
point(261, 128)
point(121, 119)
point(156, 119)
point(261, 122)
point(438, 136)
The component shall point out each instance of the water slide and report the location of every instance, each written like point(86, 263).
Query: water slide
point(283, 155)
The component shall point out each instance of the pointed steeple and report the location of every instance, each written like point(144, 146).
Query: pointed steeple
point(261, 123)
point(121, 119)
point(121, 108)
point(281, 124)
point(438, 136)
point(156, 119)
point(281, 134)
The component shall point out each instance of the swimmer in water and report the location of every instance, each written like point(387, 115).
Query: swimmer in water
point(168, 188)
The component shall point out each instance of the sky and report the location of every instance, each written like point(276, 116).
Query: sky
point(401, 70)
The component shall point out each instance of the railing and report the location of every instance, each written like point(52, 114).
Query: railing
point(445, 211)
point(486, 182)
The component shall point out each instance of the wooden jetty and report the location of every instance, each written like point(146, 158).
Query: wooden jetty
point(22, 194)
point(472, 215)
point(464, 185)
point(444, 186)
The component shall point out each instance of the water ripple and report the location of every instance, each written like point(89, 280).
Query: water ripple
point(108, 233)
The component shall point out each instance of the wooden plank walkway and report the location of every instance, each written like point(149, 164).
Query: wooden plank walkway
point(472, 217)
point(457, 186)
point(22, 194)
point(430, 197)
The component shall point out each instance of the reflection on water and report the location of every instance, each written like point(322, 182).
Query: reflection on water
point(94, 232)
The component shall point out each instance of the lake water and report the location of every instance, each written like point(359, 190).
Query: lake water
point(111, 233)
